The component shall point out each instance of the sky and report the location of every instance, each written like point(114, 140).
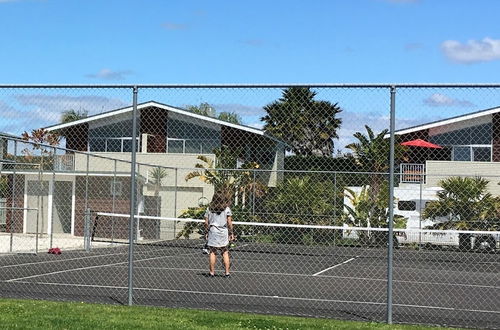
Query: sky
point(248, 42)
point(258, 41)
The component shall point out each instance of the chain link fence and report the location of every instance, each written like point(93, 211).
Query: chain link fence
point(365, 202)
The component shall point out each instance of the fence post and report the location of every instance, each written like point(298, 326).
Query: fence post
point(132, 199)
point(113, 205)
point(391, 206)
point(175, 202)
point(13, 201)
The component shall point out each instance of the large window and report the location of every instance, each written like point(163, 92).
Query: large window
point(123, 144)
point(476, 153)
point(191, 146)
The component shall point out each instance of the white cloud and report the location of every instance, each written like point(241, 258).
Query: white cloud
point(43, 110)
point(473, 51)
point(441, 100)
point(108, 74)
point(33, 111)
point(240, 109)
point(353, 122)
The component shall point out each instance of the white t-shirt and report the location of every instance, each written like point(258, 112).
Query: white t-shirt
point(218, 235)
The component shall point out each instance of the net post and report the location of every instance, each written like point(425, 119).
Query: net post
point(86, 229)
point(52, 199)
point(132, 198)
point(390, 245)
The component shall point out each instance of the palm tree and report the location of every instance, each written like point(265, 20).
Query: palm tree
point(307, 125)
point(369, 209)
point(157, 175)
point(237, 182)
point(464, 203)
point(371, 154)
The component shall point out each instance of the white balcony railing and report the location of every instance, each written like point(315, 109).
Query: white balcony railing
point(412, 173)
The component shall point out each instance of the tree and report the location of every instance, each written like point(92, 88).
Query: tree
point(369, 208)
point(73, 115)
point(307, 125)
point(219, 173)
point(230, 117)
point(206, 109)
point(157, 175)
point(203, 109)
point(464, 203)
point(39, 139)
point(371, 154)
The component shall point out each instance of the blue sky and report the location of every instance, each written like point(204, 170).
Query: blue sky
point(258, 41)
point(248, 42)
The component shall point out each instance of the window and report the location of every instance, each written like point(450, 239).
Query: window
point(407, 205)
point(97, 145)
point(175, 146)
point(481, 154)
point(113, 145)
point(476, 153)
point(461, 153)
point(123, 144)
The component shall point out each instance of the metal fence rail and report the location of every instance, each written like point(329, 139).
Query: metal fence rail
point(367, 201)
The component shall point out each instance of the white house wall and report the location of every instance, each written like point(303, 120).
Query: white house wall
point(439, 170)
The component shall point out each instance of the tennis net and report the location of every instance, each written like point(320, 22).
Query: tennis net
point(279, 238)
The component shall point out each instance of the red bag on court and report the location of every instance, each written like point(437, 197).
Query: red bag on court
point(55, 250)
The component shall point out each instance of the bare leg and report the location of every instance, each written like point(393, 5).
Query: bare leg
point(226, 260)
point(212, 258)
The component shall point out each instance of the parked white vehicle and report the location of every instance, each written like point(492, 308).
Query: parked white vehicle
point(410, 201)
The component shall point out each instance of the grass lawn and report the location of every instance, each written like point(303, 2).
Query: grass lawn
point(29, 314)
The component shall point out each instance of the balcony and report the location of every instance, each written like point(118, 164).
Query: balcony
point(412, 173)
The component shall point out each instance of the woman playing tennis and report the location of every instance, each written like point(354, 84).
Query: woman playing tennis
point(219, 229)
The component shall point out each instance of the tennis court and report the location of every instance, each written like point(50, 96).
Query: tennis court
point(433, 287)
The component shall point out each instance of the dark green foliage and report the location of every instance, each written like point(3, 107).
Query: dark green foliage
point(320, 163)
point(301, 200)
point(308, 126)
point(465, 203)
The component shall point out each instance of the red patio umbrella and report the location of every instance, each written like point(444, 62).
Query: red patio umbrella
point(421, 143)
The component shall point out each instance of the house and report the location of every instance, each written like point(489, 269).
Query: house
point(463, 145)
point(93, 170)
point(469, 144)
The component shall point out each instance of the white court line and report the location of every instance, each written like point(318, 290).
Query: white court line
point(334, 266)
point(92, 267)
point(331, 276)
point(265, 296)
point(248, 272)
point(61, 260)
point(79, 258)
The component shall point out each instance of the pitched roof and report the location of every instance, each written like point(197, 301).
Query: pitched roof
point(161, 106)
point(452, 120)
